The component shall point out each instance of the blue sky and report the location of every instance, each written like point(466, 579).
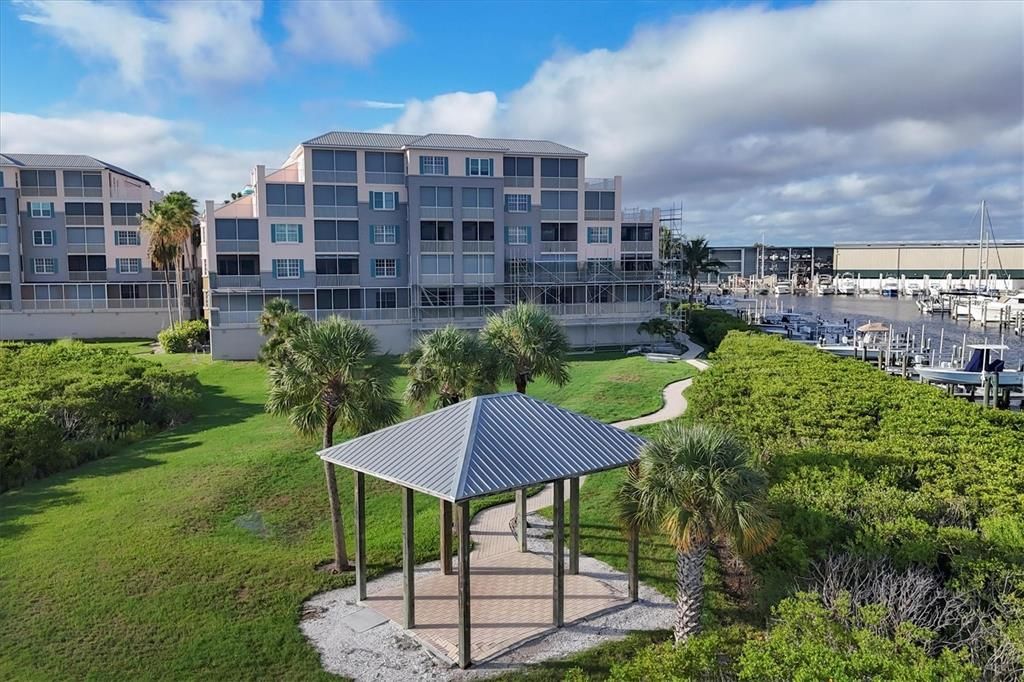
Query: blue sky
point(806, 121)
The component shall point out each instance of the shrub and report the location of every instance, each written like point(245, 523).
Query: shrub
point(187, 337)
point(710, 327)
point(701, 658)
point(65, 403)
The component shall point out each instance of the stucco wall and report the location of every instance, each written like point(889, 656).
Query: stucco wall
point(93, 324)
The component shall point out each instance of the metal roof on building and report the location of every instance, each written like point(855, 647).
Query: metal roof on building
point(398, 141)
point(63, 161)
point(488, 444)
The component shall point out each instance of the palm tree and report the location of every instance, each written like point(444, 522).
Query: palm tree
point(181, 210)
point(451, 364)
point(697, 483)
point(528, 343)
point(332, 378)
point(163, 249)
point(657, 326)
point(279, 322)
point(695, 259)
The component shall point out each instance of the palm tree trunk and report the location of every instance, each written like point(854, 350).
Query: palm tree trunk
point(178, 281)
point(167, 295)
point(737, 576)
point(521, 383)
point(337, 527)
point(689, 591)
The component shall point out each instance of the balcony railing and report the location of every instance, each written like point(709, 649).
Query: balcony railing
point(286, 211)
point(594, 214)
point(5, 304)
point(379, 178)
point(124, 220)
point(559, 183)
point(447, 278)
point(5, 276)
point(336, 246)
point(479, 278)
point(559, 247)
point(83, 220)
point(235, 281)
point(518, 181)
point(238, 246)
point(286, 174)
point(479, 213)
point(559, 214)
point(428, 212)
point(437, 246)
point(337, 280)
point(89, 276)
point(83, 191)
point(637, 215)
point(638, 246)
point(478, 246)
point(38, 191)
point(335, 176)
point(599, 184)
point(335, 211)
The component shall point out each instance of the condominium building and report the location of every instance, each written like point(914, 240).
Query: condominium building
point(406, 233)
point(73, 262)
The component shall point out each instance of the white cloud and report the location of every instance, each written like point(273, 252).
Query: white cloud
point(790, 118)
point(180, 44)
point(331, 30)
point(170, 154)
point(375, 104)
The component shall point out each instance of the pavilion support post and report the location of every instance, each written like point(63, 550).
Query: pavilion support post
point(574, 526)
point(521, 518)
point(360, 514)
point(408, 561)
point(558, 555)
point(633, 562)
point(464, 624)
point(446, 537)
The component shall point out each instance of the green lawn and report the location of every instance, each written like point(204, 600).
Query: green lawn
point(189, 554)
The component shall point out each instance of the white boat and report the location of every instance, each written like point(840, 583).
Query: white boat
point(783, 288)
point(890, 287)
point(1002, 310)
point(981, 365)
point(845, 285)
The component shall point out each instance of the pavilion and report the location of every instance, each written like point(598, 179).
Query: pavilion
point(481, 446)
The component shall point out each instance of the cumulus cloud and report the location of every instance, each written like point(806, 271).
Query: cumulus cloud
point(829, 121)
point(328, 30)
point(170, 154)
point(178, 44)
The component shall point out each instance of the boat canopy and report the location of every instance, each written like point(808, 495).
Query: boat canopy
point(987, 346)
point(875, 327)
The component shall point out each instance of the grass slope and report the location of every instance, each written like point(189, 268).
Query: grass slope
point(188, 555)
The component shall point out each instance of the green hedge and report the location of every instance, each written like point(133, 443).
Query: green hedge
point(872, 464)
point(65, 403)
point(186, 337)
point(710, 327)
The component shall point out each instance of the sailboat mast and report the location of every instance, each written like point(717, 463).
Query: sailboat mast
point(981, 240)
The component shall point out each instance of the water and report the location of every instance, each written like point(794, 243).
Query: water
point(902, 313)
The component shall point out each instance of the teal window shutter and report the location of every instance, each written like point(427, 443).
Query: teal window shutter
point(529, 203)
point(467, 165)
point(398, 234)
point(53, 211)
point(302, 268)
point(300, 234)
point(506, 234)
point(398, 267)
point(54, 238)
point(273, 268)
point(373, 239)
point(273, 235)
point(529, 234)
point(373, 268)
point(422, 166)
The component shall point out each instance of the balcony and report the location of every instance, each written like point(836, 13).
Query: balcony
point(447, 278)
point(559, 183)
point(479, 278)
point(86, 247)
point(335, 211)
point(336, 177)
point(286, 211)
point(235, 281)
point(337, 280)
point(559, 214)
point(437, 246)
point(638, 247)
point(380, 178)
point(125, 220)
point(39, 191)
point(238, 246)
point(559, 247)
point(5, 304)
point(83, 220)
point(637, 215)
point(88, 276)
point(599, 184)
point(5, 276)
point(336, 246)
point(485, 213)
point(434, 212)
point(286, 174)
point(478, 246)
point(594, 214)
point(518, 181)
point(83, 191)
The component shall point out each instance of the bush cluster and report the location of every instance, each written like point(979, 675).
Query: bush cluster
point(65, 403)
point(186, 337)
point(709, 327)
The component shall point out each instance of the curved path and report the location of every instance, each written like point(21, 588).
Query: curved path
point(489, 529)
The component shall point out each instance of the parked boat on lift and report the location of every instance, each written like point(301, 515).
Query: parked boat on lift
point(981, 365)
point(1003, 309)
point(846, 285)
point(890, 287)
point(825, 286)
point(783, 288)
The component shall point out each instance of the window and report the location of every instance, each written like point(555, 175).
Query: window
point(83, 184)
point(240, 228)
point(39, 182)
point(434, 298)
point(83, 213)
point(384, 234)
point(565, 201)
point(478, 231)
point(337, 265)
point(480, 167)
point(440, 197)
point(599, 265)
point(559, 168)
point(127, 238)
point(129, 266)
point(383, 201)
point(238, 264)
point(387, 298)
point(517, 203)
point(637, 262)
point(332, 195)
point(599, 201)
point(599, 235)
point(433, 165)
point(44, 266)
point(558, 232)
point(125, 213)
point(437, 230)
point(87, 264)
point(42, 237)
point(517, 234)
point(336, 230)
point(385, 167)
point(478, 296)
point(286, 199)
point(285, 233)
point(40, 209)
point(637, 233)
point(441, 264)
point(85, 235)
point(519, 166)
point(339, 299)
point(385, 268)
point(334, 165)
point(478, 264)
point(287, 268)
point(473, 197)
point(518, 268)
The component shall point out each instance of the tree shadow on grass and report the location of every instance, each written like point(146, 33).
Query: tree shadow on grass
point(214, 408)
